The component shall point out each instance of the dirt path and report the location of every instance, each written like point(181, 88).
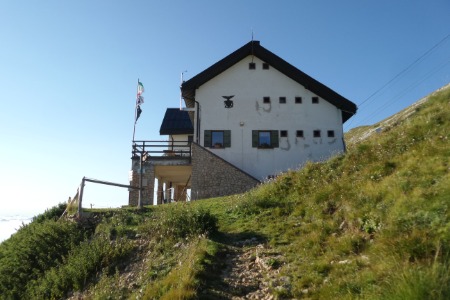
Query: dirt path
point(246, 269)
point(249, 271)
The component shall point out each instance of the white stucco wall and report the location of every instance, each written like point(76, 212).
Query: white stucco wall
point(179, 140)
point(250, 113)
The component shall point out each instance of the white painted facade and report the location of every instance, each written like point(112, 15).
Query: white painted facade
point(179, 143)
point(249, 113)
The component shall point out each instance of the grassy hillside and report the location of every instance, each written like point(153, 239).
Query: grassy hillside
point(371, 224)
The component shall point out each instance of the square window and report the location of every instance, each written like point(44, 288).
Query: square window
point(252, 66)
point(316, 133)
point(265, 66)
point(330, 133)
point(282, 100)
point(299, 133)
point(266, 100)
point(298, 100)
point(217, 139)
point(283, 133)
point(315, 100)
point(264, 139)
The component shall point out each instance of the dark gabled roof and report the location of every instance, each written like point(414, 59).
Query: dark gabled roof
point(176, 121)
point(254, 48)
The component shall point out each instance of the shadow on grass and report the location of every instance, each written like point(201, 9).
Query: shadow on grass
point(239, 239)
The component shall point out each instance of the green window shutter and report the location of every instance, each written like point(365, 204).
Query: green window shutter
point(274, 138)
point(207, 139)
point(255, 138)
point(227, 138)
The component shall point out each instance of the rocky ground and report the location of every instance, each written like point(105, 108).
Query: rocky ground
point(250, 270)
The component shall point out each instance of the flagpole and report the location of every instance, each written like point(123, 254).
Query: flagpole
point(138, 101)
point(134, 127)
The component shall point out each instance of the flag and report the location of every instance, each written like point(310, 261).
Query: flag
point(140, 88)
point(139, 100)
point(138, 113)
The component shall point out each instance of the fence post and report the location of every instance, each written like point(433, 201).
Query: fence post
point(80, 198)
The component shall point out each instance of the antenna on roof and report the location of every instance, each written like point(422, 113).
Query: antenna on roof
point(181, 83)
point(252, 45)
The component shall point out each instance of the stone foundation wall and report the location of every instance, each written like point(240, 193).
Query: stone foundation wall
point(214, 177)
point(148, 179)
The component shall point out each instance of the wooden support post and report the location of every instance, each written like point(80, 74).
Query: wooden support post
point(80, 198)
point(140, 200)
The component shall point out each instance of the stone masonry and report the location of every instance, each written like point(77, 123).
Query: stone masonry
point(214, 177)
point(148, 181)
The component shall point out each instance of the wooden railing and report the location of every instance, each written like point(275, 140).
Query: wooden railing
point(161, 148)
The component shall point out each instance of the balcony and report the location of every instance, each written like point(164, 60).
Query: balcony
point(163, 151)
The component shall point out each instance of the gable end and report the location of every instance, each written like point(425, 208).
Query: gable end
point(188, 88)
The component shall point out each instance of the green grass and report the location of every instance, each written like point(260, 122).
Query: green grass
point(371, 224)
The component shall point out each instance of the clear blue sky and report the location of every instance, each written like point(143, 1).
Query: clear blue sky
point(68, 74)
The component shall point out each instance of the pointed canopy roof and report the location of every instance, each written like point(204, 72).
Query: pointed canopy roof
point(188, 88)
point(176, 121)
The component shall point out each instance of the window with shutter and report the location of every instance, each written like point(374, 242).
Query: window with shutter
point(217, 138)
point(265, 139)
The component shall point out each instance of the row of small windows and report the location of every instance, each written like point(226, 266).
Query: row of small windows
point(298, 100)
point(316, 133)
point(300, 133)
point(252, 66)
point(260, 138)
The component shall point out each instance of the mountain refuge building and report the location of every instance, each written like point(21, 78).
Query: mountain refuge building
point(248, 117)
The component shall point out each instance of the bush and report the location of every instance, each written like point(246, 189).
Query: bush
point(53, 213)
point(33, 250)
point(83, 263)
point(180, 221)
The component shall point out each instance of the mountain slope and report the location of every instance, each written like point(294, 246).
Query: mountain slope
point(371, 224)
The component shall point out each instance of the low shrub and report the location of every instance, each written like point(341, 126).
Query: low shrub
point(181, 220)
point(79, 267)
point(53, 213)
point(32, 251)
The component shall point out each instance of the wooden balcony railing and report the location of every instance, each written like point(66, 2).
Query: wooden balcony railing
point(161, 148)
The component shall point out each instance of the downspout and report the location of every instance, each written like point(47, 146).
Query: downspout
point(197, 112)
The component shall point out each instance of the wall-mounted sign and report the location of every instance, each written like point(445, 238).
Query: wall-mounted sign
point(228, 102)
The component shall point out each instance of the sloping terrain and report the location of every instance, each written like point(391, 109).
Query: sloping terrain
point(371, 224)
point(359, 134)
